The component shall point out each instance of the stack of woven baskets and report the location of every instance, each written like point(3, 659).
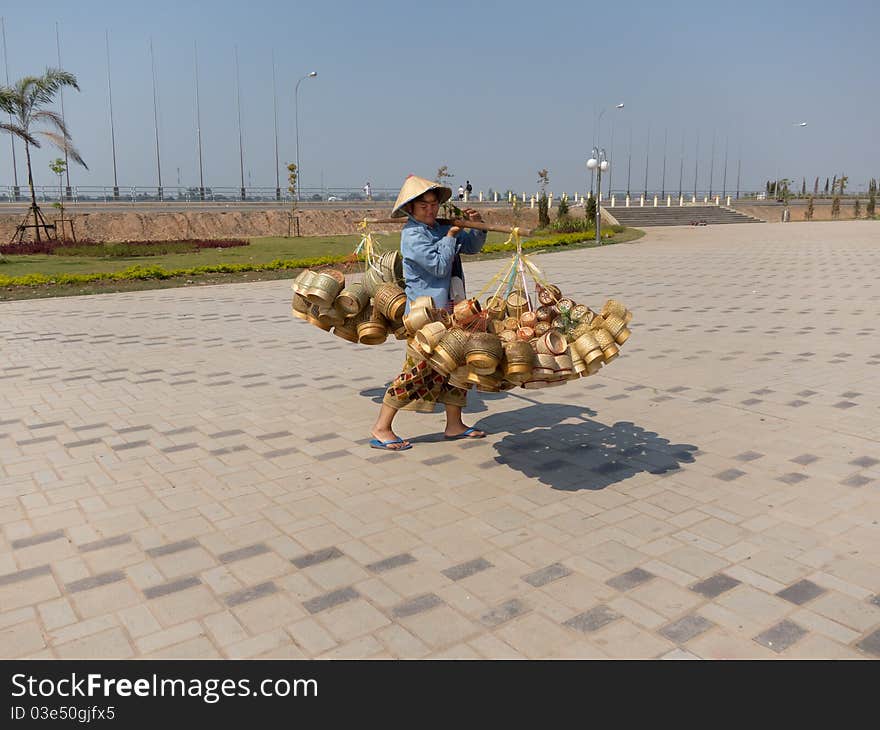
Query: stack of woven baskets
point(507, 343)
point(364, 311)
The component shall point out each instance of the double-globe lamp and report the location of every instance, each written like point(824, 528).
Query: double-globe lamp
point(599, 163)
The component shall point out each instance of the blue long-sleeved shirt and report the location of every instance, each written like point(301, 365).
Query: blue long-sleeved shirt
point(428, 256)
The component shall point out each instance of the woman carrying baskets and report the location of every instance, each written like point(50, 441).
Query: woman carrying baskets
point(431, 267)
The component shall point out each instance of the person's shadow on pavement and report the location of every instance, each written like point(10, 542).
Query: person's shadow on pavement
point(560, 446)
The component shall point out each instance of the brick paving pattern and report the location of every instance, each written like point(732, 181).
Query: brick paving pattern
point(185, 473)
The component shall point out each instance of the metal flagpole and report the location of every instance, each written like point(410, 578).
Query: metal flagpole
point(738, 167)
point(647, 153)
point(156, 117)
point(199, 125)
point(663, 179)
point(712, 164)
point(11, 137)
point(696, 164)
point(110, 100)
point(61, 97)
point(681, 167)
point(238, 106)
point(629, 159)
point(275, 117)
point(724, 174)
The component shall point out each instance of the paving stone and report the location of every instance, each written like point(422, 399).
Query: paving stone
point(105, 543)
point(805, 459)
point(395, 561)
point(242, 553)
point(465, 570)
point(417, 605)
point(315, 558)
point(793, 478)
point(38, 539)
point(546, 575)
point(328, 600)
point(801, 592)
point(504, 612)
point(592, 620)
point(686, 628)
point(249, 594)
point(781, 636)
point(630, 579)
point(715, 585)
point(870, 644)
point(172, 548)
point(95, 581)
point(171, 587)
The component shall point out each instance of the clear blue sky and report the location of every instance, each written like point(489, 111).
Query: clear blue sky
point(496, 92)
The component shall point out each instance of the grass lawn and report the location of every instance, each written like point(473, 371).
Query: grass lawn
point(261, 250)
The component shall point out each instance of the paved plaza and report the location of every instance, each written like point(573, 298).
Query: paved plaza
point(185, 472)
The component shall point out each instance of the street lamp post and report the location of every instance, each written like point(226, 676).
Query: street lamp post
point(598, 163)
point(309, 75)
point(776, 188)
point(599, 136)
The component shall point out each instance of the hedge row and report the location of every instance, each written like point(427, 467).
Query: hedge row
point(157, 272)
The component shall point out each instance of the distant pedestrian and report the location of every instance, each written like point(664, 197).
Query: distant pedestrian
point(461, 192)
point(368, 190)
point(468, 189)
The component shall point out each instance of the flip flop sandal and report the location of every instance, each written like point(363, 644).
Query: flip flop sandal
point(377, 444)
point(466, 434)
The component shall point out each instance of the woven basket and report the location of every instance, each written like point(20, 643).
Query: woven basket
point(390, 300)
point(428, 337)
point(496, 308)
point(324, 287)
point(484, 353)
point(353, 298)
point(373, 331)
point(606, 342)
point(614, 307)
point(551, 343)
point(617, 327)
point(517, 303)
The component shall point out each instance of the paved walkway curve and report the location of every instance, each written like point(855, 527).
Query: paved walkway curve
point(185, 473)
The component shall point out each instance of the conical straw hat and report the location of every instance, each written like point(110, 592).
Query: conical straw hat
point(412, 188)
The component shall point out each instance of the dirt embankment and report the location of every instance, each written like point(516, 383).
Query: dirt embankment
point(236, 224)
point(821, 211)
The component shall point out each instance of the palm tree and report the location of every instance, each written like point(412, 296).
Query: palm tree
point(25, 102)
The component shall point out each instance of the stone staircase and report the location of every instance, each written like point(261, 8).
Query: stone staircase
point(686, 215)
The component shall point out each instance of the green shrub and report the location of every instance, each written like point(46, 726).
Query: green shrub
point(590, 209)
point(543, 211)
point(562, 212)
